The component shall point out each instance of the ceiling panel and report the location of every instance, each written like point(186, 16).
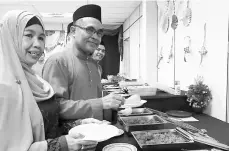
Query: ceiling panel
point(113, 12)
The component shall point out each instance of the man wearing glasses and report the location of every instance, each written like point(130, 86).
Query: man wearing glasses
point(74, 75)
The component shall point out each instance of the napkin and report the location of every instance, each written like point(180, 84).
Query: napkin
point(133, 99)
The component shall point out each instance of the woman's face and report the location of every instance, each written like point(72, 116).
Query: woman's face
point(33, 43)
point(99, 53)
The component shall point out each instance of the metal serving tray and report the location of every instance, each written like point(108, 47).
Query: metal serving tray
point(163, 139)
point(146, 122)
point(138, 111)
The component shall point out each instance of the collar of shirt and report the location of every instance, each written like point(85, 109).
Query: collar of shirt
point(80, 55)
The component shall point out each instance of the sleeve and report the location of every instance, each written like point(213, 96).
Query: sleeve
point(97, 108)
point(67, 125)
point(57, 75)
point(57, 144)
point(38, 146)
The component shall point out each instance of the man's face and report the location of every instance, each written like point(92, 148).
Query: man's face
point(85, 41)
point(99, 53)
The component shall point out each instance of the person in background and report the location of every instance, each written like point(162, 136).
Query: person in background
point(29, 112)
point(74, 74)
point(39, 65)
point(98, 55)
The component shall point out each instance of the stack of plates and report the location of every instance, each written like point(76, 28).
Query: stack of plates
point(120, 147)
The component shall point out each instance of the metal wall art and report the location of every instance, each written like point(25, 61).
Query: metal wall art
point(165, 19)
point(174, 23)
point(160, 58)
point(187, 16)
point(187, 47)
point(170, 52)
point(203, 52)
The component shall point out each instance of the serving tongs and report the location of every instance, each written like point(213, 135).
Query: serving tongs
point(178, 123)
point(203, 139)
point(191, 132)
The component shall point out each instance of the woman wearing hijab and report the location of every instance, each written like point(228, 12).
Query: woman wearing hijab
point(22, 126)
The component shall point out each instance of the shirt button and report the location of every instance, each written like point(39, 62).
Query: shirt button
point(90, 71)
point(42, 124)
point(91, 80)
point(18, 81)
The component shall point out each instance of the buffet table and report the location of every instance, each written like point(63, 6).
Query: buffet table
point(163, 101)
point(215, 128)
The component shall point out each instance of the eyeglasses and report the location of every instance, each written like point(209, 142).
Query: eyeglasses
point(91, 30)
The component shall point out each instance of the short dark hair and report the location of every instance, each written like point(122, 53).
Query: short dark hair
point(34, 20)
point(69, 27)
point(102, 43)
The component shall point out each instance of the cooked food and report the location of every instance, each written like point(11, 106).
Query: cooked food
point(151, 138)
point(142, 120)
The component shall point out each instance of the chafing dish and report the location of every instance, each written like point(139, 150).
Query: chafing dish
point(138, 111)
point(164, 139)
point(146, 122)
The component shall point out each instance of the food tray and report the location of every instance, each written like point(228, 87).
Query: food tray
point(138, 111)
point(146, 122)
point(164, 139)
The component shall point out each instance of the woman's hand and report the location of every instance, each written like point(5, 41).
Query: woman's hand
point(92, 120)
point(75, 143)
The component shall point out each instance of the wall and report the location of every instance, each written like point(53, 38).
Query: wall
point(214, 65)
point(149, 45)
point(140, 43)
point(55, 26)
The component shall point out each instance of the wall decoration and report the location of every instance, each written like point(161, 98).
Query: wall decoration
point(165, 19)
point(187, 47)
point(160, 58)
point(171, 52)
point(174, 23)
point(53, 39)
point(203, 52)
point(187, 16)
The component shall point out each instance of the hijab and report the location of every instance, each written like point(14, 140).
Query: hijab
point(21, 122)
point(41, 89)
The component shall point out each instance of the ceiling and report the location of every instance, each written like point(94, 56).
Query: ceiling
point(113, 12)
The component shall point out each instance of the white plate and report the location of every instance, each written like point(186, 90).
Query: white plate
point(120, 147)
point(113, 90)
point(96, 132)
point(134, 104)
point(112, 87)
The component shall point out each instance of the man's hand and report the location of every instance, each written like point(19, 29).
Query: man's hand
point(112, 101)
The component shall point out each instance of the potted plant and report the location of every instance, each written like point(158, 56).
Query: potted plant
point(199, 95)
